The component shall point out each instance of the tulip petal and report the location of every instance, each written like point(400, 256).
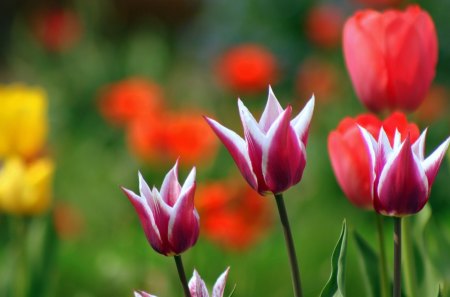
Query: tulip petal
point(403, 185)
point(183, 225)
point(197, 286)
point(144, 189)
point(383, 152)
point(372, 147)
point(170, 189)
point(147, 220)
point(419, 145)
point(433, 162)
point(219, 286)
point(255, 139)
point(284, 156)
point(302, 121)
point(189, 182)
point(271, 112)
point(237, 148)
point(143, 294)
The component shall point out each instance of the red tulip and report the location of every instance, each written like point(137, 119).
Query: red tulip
point(324, 25)
point(391, 57)
point(350, 159)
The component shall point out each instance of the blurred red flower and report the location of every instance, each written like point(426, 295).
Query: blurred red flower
point(349, 157)
point(124, 101)
point(169, 136)
point(380, 3)
point(57, 29)
point(247, 68)
point(319, 77)
point(324, 25)
point(232, 214)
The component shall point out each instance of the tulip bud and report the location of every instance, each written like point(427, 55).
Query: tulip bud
point(272, 155)
point(391, 57)
point(350, 159)
point(401, 178)
point(169, 218)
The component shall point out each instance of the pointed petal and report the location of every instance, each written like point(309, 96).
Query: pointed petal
point(419, 146)
point(144, 189)
point(403, 185)
point(189, 182)
point(142, 294)
point(284, 156)
point(371, 146)
point(197, 286)
point(237, 148)
point(302, 121)
point(397, 139)
point(255, 139)
point(384, 151)
point(147, 220)
point(184, 222)
point(170, 189)
point(433, 162)
point(271, 112)
point(219, 286)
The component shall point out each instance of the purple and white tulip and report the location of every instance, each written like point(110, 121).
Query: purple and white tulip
point(198, 288)
point(142, 294)
point(272, 154)
point(401, 177)
point(169, 218)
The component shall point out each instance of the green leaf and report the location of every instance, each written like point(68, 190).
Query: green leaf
point(439, 291)
point(370, 263)
point(335, 285)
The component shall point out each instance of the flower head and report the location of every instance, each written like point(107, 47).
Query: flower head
point(391, 57)
point(26, 188)
point(351, 160)
point(401, 177)
point(272, 155)
point(198, 288)
point(169, 218)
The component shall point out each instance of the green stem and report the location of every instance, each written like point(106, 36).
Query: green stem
point(182, 275)
point(384, 283)
point(295, 272)
point(19, 235)
point(408, 259)
point(397, 256)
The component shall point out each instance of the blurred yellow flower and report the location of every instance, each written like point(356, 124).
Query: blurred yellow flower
point(26, 188)
point(23, 120)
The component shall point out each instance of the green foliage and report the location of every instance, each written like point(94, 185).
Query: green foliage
point(335, 286)
point(370, 263)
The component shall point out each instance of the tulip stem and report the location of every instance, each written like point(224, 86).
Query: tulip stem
point(410, 280)
point(295, 272)
point(397, 256)
point(383, 266)
point(182, 275)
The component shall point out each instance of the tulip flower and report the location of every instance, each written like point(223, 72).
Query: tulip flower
point(169, 219)
point(391, 57)
point(272, 156)
point(197, 287)
point(23, 120)
point(401, 177)
point(350, 159)
point(26, 189)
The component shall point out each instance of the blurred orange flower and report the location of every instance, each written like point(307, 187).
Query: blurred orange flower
point(232, 214)
point(184, 135)
point(324, 25)
point(57, 29)
point(319, 77)
point(435, 105)
point(247, 68)
point(124, 101)
point(68, 220)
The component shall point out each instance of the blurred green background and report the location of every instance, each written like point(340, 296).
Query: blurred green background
point(177, 44)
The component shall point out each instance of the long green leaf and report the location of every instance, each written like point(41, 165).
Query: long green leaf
point(370, 264)
point(335, 285)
